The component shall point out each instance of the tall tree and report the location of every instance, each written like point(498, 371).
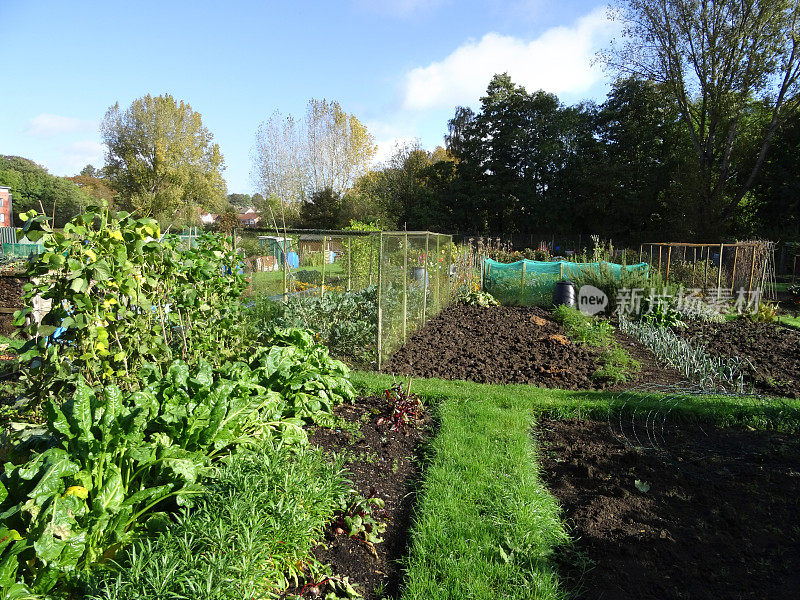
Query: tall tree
point(329, 149)
point(162, 160)
point(715, 57)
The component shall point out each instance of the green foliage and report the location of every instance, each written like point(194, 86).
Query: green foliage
point(693, 361)
point(88, 494)
point(603, 278)
point(614, 362)
point(33, 188)
point(767, 312)
point(251, 536)
point(363, 254)
point(660, 314)
point(616, 365)
point(345, 322)
point(123, 298)
point(478, 299)
point(692, 275)
point(162, 160)
point(591, 331)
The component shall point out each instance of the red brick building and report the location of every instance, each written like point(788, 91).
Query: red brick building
point(5, 207)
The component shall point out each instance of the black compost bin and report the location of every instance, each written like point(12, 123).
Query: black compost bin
point(565, 294)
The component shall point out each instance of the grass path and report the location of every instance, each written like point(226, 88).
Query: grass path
point(485, 526)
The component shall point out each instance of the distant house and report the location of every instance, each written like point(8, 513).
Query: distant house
point(5, 207)
point(208, 218)
point(248, 218)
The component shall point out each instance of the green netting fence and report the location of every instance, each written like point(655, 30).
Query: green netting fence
point(366, 291)
point(532, 283)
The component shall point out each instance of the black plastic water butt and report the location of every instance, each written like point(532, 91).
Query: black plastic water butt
point(565, 294)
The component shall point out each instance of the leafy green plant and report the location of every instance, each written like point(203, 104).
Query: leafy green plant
point(308, 380)
point(660, 314)
point(120, 295)
point(100, 482)
point(767, 312)
point(616, 365)
point(479, 298)
point(360, 517)
point(250, 536)
point(591, 331)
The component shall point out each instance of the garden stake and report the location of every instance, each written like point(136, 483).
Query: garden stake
point(348, 262)
point(438, 272)
point(752, 269)
point(705, 273)
point(659, 260)
point(669, 257)
point(719, 275)
point(324, 259)
point(425, 279)
point(735, 260)
point(523, 278)
point(380, 312)
point(405, 286)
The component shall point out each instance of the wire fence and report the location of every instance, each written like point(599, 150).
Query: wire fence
point(365, 292)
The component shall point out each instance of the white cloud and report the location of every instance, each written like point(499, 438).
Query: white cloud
point(77, 155)
point(389, 146)
point(48, 125)
point(559, 61)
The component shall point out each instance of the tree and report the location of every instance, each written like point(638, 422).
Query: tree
point(292, 160)
point(715, 58)
point(33, 188)
point(162, 160)
point(323, 211)
point(90, 171)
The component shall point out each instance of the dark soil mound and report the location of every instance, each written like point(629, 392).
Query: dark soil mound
point(506, 344)
point(773, 351)
point(720, 519)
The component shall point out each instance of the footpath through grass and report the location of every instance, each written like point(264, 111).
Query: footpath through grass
point(485, 525)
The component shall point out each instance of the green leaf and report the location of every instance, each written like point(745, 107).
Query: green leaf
point(78, 285)
point(642, 486)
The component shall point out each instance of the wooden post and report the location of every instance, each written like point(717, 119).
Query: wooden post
point(752, 270)
point(641, 247)
point(324, 260)
point(523, 279)
point(371, 255)
point(669, 257)
point(660, 272)
point(561, 265)
point(380, 306)
point(705, 271)
point(349, 254)
point(284, 254)
point(719, 274)
point(735, 260)
point(425, 281)
point(405, 286)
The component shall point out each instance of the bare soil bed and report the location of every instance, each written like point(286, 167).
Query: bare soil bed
point(720, 518)
point(508, 344)
point(773, 351)
point(384, 464)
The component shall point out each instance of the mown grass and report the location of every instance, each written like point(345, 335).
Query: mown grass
point(485, 527)
point(793, 322)
point(723, 411)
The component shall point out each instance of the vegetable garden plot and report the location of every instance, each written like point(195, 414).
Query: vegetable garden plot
point(713, 517)
point(771, 353)
point(381, 463)
point(508, 345)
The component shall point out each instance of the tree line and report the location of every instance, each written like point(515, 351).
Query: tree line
point(697, 139)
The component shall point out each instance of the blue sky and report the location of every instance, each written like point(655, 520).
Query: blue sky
point(400, 66)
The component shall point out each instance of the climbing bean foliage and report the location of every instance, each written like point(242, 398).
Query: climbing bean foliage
point(116, 294)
